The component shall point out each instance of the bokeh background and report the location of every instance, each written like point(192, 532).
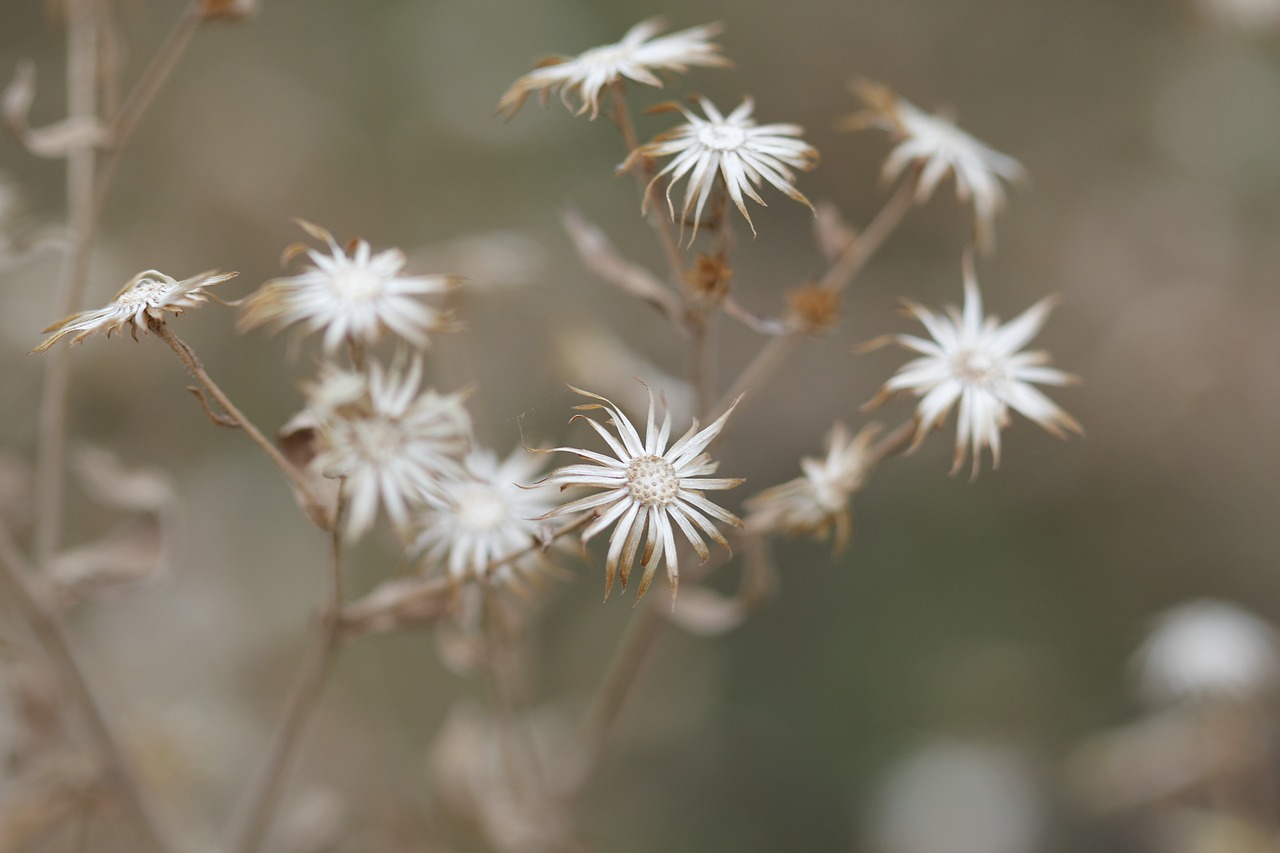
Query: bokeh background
point(1002, 613)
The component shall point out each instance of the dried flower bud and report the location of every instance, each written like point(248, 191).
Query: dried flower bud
point(815, 309)
point(228, 10)
point(711, 277)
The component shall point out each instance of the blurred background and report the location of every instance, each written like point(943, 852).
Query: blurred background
point(962, 658)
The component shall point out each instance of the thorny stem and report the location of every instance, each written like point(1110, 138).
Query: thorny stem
point(86, 199)
point(48, 629)
point(196, 369)
point(644, 175)
point(259, 803)
point(82, 68)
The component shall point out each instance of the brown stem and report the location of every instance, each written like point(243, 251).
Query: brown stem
point(86, 198)
point(896, 442)
point(869, 241)
point(82, 84)
point(188, 358)
point(644, 176)
point(259, 803)
point(17, 577)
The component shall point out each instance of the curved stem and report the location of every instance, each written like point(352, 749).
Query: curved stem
point(260, 801)
point(16, 576)
point(196, 369)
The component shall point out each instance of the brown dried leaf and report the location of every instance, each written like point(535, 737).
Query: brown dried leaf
point(108, 482)
point(600, 257)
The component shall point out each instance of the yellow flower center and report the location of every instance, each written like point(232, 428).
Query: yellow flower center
point(721, 137)
point(652, 480)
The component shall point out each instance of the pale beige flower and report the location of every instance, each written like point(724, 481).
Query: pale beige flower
point(148, 294)
point(485, 515)
point(646, 484)
point(636, 57)
point(733, 148)
point(350, 297)
point(975, 361)
point(1209, 649)
point(939, 147)
point(391, 444)
point(818, 501)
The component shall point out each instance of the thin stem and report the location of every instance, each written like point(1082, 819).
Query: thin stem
point(752, 378)
point(82, 71)
point(17, 577)
point(188, 358)
point(260, 801)
point(86, 199)
point(869, 241)
point(644, 176)
point(896, 442)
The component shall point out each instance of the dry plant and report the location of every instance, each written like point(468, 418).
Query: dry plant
point(485, 528)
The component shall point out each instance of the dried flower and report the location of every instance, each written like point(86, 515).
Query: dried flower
point(818, 501)
point(391, 444)
point(975, 360)
point(148, 294)
point(636, 57)
point(1209, 649)
point(742, 153)
point(815, 308)
point(483, 516)
point(351, 297)
point(647, 484)
point(939, 147)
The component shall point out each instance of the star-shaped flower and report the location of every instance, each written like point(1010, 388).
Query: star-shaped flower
point(733, 148)
point(819, 500)
point(148, 294)
point(636, 57)
point(646, 484)
point(976, 361)
point(355, 296)
point(392, 445)
point(938, 147)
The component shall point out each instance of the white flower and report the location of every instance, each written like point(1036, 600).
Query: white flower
point(148, 294)
point(647, 484)
point(742, 153)
point(818, 501)
point(483, 516)
point(350, 297)
point(976, 361)
point(636, 57)
point(939, 147)
point(1208, 649)
point(390, 444)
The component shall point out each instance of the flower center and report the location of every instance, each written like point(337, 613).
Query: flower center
point(652, 480)
point(377, 441)
point(480, 507)
point(721, 137)
point(357, 284)
point(147, 291)
point(609, 56)
point(975, 367)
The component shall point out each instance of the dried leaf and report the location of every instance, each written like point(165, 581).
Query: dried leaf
point(399, 604)
point(107, 481)
point(131, 556)
point(833, 234)
point(55, 140)
point(297, 441)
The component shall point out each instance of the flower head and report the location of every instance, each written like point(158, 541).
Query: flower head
point(976, 361)
point(939, 147)
point(646, 484)
point(636, 57)
point(148, 294)
point(1209, 649)
point(484, 515)
point(818, 501)
point(353, 296)
point(734, 147)
point(390, 444)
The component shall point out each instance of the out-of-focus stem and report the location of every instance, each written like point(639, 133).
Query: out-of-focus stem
point(644, 175)
point(18, 577)
point(196, 369)
point(259, 804)
point(871, 238)
point(892, 444)
point(82, 72)
point(87, 190)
